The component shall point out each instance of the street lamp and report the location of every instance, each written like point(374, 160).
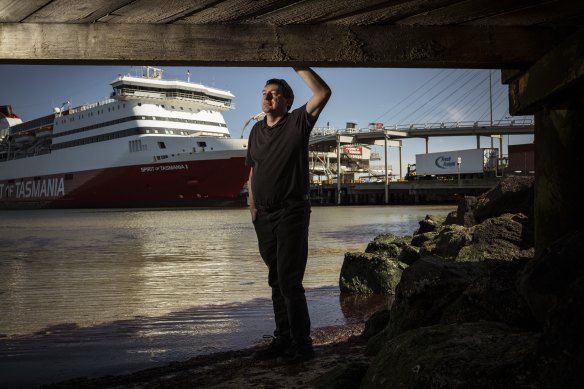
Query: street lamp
point(257, 117)
point(458, 163)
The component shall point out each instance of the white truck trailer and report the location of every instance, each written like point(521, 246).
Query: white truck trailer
point(470, 163)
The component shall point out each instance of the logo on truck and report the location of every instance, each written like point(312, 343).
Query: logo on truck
point(445, 162)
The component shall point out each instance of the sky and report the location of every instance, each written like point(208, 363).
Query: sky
point(390, 96)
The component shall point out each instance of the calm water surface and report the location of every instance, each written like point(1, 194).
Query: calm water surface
point(93, 292)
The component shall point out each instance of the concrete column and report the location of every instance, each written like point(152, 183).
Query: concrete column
point(385, 163)
point(559, 208)
point(401, 177)
point(338, 170)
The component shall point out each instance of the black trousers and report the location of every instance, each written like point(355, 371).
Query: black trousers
point(282, 233)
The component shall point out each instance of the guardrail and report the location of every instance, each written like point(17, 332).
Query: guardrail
point(321, 131)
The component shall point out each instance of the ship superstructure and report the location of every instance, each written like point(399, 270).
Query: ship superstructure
point(154, 143)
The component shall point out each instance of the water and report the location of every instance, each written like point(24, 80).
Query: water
point(94, 292)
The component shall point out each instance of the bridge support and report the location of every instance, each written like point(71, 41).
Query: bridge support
point(338, 169)
point(558, 201)
point(551, 88)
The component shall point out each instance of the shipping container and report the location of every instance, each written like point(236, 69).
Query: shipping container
point(445, 163)
point(521, 159)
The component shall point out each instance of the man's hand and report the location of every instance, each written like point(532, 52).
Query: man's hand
point(252, 207)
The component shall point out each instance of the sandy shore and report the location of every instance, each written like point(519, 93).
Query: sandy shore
point(334, 346)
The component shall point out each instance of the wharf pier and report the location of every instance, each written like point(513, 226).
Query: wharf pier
point(401, 192)
point(342, 157)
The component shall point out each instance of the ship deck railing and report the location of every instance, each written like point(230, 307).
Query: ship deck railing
point(205, 99)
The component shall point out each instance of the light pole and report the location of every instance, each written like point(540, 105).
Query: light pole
point(257, 117)
point(458, 163)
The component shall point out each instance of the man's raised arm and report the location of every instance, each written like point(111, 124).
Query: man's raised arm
point(320, 90)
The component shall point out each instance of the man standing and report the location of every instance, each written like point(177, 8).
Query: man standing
point(280, 210)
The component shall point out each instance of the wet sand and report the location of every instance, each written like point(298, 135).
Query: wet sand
point(66, 352)
point(336, 348)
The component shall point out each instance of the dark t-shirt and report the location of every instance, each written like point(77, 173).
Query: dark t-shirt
point(279, 158)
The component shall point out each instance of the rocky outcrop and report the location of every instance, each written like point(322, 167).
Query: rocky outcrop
point(367, 273)
point(511, 195)
point(473, 308)
point(466, 355)
point(379, 269)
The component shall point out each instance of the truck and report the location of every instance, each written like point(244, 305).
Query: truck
point(470, 163)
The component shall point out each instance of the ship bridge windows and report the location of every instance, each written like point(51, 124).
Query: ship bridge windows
point(162, 145)
point(202, 144)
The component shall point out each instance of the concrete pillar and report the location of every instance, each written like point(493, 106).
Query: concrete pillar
point(385, 166)
point(401, 176)
point(338, 170)
point(559, 208)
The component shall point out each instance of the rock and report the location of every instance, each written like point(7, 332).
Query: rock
point(342, 376)
point(493, 296)
point(434, 291)
point(366, 273)
point(451, 218)
point(376, 323)
point(408, 255)
point(464, 355)
point(504, 238)
point(450, 240)
point(388, 245)
point(429, 224)
point(512, 195)
point(464, 215)
point(426, 289)
point(418, 240)
point(377, 341)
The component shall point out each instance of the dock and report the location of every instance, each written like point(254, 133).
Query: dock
point(400, 193)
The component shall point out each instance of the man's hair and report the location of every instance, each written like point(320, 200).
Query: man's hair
point(286, 90)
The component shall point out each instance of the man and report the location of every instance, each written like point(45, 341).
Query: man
point(278, 199)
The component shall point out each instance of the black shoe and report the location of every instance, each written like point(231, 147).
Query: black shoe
point(296, 353)
point(276, 348)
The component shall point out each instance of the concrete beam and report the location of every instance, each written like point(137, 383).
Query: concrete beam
point(262, 45)
point(557, 77)
point(389, 143)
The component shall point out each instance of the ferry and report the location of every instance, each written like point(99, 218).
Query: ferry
point(153, 143)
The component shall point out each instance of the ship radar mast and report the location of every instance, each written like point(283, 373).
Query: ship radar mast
point(152, 73)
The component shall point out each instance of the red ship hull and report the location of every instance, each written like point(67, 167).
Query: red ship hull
point(205, 183)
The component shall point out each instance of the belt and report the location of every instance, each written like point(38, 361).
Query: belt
point(282, 205)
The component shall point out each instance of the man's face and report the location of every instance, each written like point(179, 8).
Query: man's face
point(273, 101)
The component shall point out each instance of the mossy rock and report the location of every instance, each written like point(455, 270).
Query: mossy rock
point(388, 245)
point(451, 240)
point(430, 223)
point(366, 273)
